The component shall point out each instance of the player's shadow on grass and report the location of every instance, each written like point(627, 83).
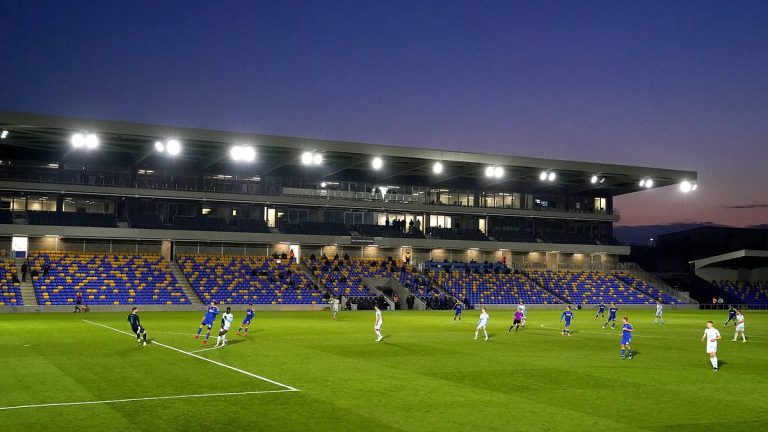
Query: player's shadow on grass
point(235, 341)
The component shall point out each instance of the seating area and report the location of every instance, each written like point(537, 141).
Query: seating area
point(250, 225)
point(199, 223)
point(472, 234)
point(6, 217)
point(513, 236)
point(415, 282)
point(751, 293)
point(243, 280)
point(345, 278)
point(493, 288)
point(105, 279)
point(646, 288)
point(589, 287)
point(315, 228)
point(97, 220)
point(470, 267)
point(10, 294)
point(386, 231)
point(145, 221)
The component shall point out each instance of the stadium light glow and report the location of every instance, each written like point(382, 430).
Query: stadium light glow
point(173, 147)
point(85, 140)
point(242, 153)
point(494, 172)
point(543, 176)
point(688, 186)
point(648, 183)
point(593, 180)
point(159, 146)
point(311, 158)
point(642, 182)
point(437, 168)
point(377, 163)
point(552, 176)
point(547, 176)
point(4, 134)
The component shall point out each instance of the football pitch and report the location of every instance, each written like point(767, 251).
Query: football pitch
point(303, 371)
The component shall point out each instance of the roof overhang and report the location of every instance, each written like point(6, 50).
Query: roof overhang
point(745, 258)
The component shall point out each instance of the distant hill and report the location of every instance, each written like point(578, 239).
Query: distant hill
point(642, 234)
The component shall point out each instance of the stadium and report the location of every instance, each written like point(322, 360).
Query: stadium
point(103, 216)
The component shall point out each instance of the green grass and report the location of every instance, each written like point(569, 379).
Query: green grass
point(428, 374)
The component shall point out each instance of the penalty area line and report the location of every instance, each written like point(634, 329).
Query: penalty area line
point(252, 375)
point(59, 404)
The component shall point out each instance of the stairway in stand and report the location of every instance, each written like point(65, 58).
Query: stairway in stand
point(27, 288)
point(191, 294)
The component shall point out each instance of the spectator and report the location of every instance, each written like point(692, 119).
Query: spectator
point(409, 301)
point(24, 269)
point(292, 257)
point(15, 278)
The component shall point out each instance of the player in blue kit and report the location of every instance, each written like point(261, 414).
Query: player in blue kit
point(249, 313)
point(600, 310)
point(208, 320)
point(731, 315)
point(566, 317)
point(457, 309)
point(626, 338)
point(611, 316)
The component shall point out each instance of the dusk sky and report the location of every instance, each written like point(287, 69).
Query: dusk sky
point(667, 84)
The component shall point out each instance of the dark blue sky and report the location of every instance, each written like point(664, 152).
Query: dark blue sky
point(668, 84)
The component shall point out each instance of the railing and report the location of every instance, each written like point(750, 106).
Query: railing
point(656, 281)
point(726, 306)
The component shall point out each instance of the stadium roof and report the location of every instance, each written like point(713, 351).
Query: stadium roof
point(743, 259)
point(132, 144)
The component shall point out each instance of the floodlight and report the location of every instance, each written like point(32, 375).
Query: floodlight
point(78, 140)
point(317, 158)
point(694, 187)
point(489, 171)
point(649, 183)
point(593, 180)
point(91, 141)
point(498, 172)
point(236, 153)
point(685, 186)
point(248, 153)
point(552, 176)
point(306, 158)
point(4, 134)
point(642, 182)
point(159, 146)
point(377, 163)
point(543, 176)
point(437, 168)
point(173, 146)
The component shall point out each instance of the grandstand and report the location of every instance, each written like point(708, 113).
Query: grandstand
point(589, 287)
point(105, 279)
point(130, 224)
point(243, 280)
point(10, 295)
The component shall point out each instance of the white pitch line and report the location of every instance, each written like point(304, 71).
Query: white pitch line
point(207, 349)
point(201, 358)
point(142, 399)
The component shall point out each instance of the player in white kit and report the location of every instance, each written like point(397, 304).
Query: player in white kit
point(482, 324)
point(711, 336)
point(335, 307)
point(226, 322)
point(521, 308)
point(659, 313)
point(377, 324)
point(739, 327)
